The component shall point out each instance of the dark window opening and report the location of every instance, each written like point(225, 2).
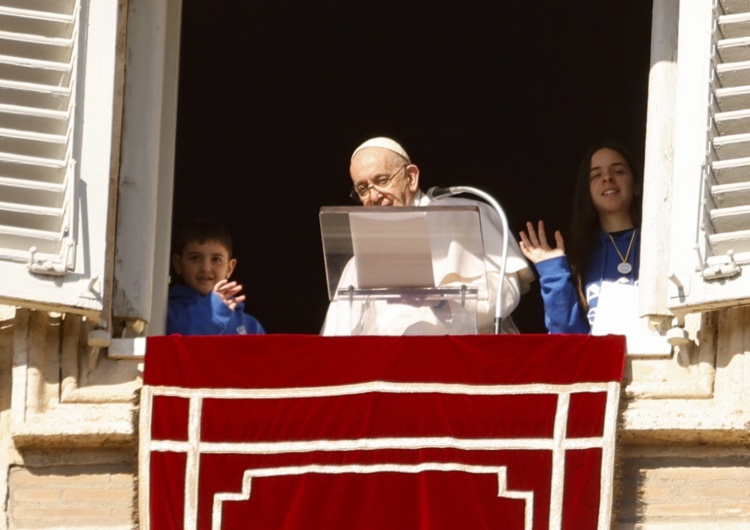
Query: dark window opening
point(501, 96)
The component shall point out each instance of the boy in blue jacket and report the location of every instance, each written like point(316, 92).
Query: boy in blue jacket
point(204, 301)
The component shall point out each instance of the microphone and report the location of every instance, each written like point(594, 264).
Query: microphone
point(437, 193)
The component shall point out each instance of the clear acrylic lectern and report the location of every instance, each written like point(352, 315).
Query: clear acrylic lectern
point(403, 271)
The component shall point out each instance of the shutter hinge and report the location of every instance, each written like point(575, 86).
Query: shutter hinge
point(56, 267)
point(720, 266)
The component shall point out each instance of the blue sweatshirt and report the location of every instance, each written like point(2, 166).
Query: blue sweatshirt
point(562, 309)
point(190, 313)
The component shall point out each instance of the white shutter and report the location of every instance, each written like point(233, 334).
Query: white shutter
point(144, 213)
point(716, 271)
point(727, 214)
point(37, 171)
point(57, 73)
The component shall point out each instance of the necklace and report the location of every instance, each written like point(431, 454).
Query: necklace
point(624, 267)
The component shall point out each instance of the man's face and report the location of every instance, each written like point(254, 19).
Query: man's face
point(203, 265)
point(374, 165)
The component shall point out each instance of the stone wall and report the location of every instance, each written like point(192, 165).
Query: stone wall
point(67, 435)
point(56, 492)
point(684, 487)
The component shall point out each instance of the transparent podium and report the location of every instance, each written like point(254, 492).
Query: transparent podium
point(403, 271)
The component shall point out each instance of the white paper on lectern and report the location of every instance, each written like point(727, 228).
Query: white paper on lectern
point(393, 250)
point(617, 314)
point(418, 249)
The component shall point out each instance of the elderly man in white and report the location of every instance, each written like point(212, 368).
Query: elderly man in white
point(383, 175)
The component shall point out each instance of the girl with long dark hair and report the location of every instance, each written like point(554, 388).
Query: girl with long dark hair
point(602, 244)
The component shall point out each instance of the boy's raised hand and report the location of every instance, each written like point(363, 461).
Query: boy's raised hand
point(229, 293)
point(535, 247)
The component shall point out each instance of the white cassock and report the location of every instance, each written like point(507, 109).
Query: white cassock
point(394, 318)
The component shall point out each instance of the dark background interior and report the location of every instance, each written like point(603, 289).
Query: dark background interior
point(503, 96)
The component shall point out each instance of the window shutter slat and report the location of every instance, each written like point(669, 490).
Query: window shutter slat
point(735, 25)
point(734, 74)
point(731, 170)
point(731, 7)
point(732, 122)
point(731, 146)
point(729, 195)
point(732, 219)
point(737, 242)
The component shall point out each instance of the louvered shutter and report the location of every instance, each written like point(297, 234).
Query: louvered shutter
point(56, 74)
point(37, 169)
point(720, 259)
point(728, 167)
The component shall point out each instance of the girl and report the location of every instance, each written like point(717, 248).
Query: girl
point(603, 243)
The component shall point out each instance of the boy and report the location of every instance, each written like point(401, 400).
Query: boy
point(204, 301)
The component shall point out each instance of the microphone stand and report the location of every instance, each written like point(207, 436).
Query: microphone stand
point(437, 193)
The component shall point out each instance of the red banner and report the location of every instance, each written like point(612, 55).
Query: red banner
point(306, 432)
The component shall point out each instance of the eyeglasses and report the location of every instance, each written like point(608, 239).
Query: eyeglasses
point(381, 183)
